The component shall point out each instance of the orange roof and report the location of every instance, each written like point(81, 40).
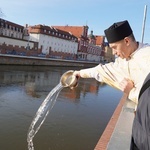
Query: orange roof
point(99, 39)
point(75, 30)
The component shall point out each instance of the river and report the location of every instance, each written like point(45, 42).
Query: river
point(76, 121)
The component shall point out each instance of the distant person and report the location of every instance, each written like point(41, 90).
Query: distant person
point(131, 66)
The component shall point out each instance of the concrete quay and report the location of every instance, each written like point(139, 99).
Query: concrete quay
point(6, 59)
point(117, 134)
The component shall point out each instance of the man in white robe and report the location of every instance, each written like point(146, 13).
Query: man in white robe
point(130, 68)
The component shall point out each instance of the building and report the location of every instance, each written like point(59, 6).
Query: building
point(63, 42)
point(94, 50)
point(54, 42)
point(87, 49)
point(100, 41)
point(10, 29)
point(14, 38)
point(109, 57)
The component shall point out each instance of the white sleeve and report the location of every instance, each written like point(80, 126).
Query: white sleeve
point(107, 73)
point(91, 73)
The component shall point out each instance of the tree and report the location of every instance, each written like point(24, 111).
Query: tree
point(1, 13)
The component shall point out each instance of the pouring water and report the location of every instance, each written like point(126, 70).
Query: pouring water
point(67, 80)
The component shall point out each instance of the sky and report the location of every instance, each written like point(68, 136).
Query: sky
point(98, 15)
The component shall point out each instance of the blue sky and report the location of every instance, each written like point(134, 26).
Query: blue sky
point(97, 14)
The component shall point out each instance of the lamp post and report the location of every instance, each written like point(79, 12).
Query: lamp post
point(144, 20)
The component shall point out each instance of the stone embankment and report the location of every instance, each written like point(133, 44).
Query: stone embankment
point(40, 61)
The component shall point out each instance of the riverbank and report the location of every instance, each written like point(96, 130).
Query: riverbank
point(6, 59)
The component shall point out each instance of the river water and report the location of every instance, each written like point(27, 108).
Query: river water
point(76, 121)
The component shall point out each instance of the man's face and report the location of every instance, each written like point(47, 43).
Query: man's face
point(120, 49)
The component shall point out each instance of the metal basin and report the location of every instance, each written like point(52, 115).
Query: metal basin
point(69, 80)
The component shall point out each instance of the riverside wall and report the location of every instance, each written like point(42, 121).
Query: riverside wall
point(38, 61)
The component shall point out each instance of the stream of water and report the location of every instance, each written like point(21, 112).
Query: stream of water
point(42, 113)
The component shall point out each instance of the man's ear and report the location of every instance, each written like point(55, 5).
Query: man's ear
point(127, 40)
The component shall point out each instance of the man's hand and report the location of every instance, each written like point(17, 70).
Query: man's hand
point(77, 74)
point(126, 85)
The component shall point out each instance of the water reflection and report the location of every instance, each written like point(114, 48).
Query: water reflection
point(36, 82)
point(76, 121)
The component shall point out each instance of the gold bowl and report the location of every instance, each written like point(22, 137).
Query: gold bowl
point(69, 80)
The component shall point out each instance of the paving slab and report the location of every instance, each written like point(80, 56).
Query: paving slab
point(121, 137)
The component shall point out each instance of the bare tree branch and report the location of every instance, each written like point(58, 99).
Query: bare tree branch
point(1, 13)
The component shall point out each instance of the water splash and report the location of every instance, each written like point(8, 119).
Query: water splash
point(42, 113)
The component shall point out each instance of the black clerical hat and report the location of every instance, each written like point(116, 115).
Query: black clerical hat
point(118, 31)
